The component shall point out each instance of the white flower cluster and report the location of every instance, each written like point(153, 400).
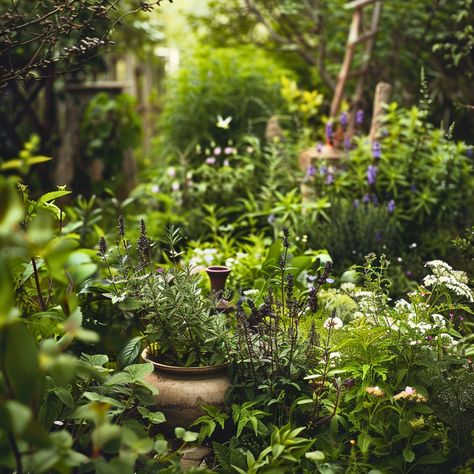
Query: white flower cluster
point(251, 292)
point(444, 275)
point(203, 257)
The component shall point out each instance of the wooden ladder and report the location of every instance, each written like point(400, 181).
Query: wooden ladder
point(357, 35)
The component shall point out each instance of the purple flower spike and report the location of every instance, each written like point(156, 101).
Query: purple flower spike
point(319, 147)
point(356, 204)
point(347, 143)
point(359, 117)
point(329, 131)
point(310, 171)
point(376, 150)
point(470, 152)
point(371, 174)
point(366, 199)
point(391, 206)
point(329, 179)
point(344, 120)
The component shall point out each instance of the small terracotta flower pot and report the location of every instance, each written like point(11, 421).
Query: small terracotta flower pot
point(218, 276)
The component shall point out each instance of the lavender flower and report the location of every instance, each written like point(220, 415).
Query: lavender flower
point(286, 237)
point(376, 150)
point(323, 170)
point(344, 120)
point(271, 219)
point(366, 199)
point(121, 226)
point(356, 203)
point(319, 147)
point(470, 152)
point(391, 206)
point(359, 117)
point(347, 143)
point(371, 174)
point(310, 171)
point(329, 132)
point(103, 246)
point(329, 179)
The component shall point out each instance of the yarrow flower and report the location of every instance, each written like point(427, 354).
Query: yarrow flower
point(211, 160)
point(444, 275)
point(217, 150)
point(410, 394)
point(251, 292)
point(333, 323)
point(226, 163)
point(375, 391)
point(371, 174)
point(155, 189)
point(171, 172)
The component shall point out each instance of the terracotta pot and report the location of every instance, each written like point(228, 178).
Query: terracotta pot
point(218, 276)
point(183, 390)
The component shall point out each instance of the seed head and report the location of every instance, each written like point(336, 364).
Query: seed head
point(103, 246)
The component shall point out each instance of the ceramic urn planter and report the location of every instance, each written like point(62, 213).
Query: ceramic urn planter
point(183, 390)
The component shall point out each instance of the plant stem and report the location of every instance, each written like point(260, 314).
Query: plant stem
point(38, 286)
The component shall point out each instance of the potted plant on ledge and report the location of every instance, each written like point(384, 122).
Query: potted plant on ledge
point(185, 336)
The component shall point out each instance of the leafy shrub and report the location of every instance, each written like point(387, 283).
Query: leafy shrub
point(242, 84)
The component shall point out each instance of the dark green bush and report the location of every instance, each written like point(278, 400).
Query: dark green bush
point(240, 83)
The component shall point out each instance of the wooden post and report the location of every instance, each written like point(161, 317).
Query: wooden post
point(382, 96)
point(346, 64)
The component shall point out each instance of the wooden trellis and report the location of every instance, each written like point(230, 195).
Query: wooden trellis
point(357, 35)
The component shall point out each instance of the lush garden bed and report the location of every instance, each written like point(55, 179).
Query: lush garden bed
point(256, 287)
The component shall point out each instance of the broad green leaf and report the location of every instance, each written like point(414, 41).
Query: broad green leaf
point(364, 440)
point(11, 207)
point(408, 455)
point(129, 354)
point(139, 371)
point(22, 363)
point(48, 197)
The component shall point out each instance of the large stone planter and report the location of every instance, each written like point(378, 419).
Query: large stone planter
point(183, 390)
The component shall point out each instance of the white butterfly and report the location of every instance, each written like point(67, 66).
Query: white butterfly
point(223, 123)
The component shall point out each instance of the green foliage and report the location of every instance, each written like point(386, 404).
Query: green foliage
point(240, 85)
point(110, 126)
